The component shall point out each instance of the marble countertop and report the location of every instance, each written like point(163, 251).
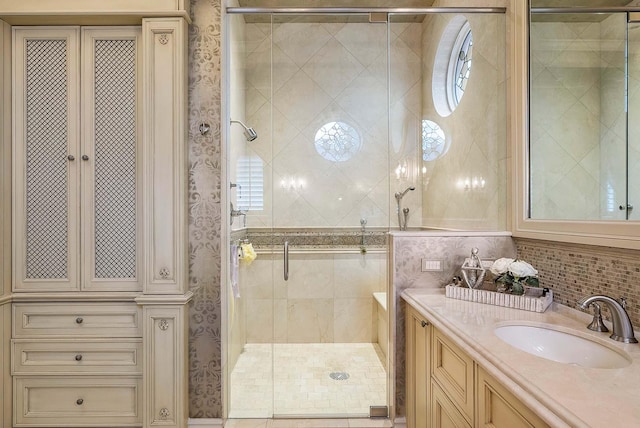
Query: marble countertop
point(563, 395)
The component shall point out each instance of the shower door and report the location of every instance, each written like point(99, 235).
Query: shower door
point(330, 211)
point(314, 187)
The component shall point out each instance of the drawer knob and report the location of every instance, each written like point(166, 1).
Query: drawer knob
point(79, 401)
point(79, 357)
point(424, 323)
point(79, 320)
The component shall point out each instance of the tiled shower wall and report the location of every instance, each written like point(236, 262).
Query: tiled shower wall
point(475, 132)
point(327, 299)
point(303, 75)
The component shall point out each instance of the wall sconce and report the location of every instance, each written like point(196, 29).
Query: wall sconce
point(471, 183)
point(292, 183)
point(402, 171)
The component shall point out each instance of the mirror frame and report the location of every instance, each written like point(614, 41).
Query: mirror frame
point(620, 234)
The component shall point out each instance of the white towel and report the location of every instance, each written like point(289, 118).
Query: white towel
point(235, 268)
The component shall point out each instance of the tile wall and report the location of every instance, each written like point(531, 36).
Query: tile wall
point(475, 132)
point(323, 72)
point(574, 271)
point(328, 297)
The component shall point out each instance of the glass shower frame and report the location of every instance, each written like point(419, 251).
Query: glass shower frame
point(282, 120)
point(393, 162)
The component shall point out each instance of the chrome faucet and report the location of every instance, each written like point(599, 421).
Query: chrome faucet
point(399, 195)
point(622, 328)
point(238, 213)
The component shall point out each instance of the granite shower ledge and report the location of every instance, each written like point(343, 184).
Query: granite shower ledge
point(315, 238)
point(561, 394)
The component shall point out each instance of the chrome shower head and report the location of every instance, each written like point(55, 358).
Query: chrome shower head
point(249, 133)
point(400, 195)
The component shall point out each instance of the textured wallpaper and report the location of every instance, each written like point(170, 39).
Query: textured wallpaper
point(205, 163)
point(408, 252)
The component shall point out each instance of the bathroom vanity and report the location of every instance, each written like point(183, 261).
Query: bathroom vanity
point(460, 373)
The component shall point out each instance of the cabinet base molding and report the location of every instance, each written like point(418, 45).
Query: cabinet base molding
point(400, 422)
point(205, 423)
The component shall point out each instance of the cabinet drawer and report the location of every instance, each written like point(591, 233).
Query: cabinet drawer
point(77, 402)
point(497, 407)
point(453, 370)
point(77, 320)
point(97, 357)
point(444, 412)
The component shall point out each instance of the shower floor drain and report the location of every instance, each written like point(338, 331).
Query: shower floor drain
point(339, 375)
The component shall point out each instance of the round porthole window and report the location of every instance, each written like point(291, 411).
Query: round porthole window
point(452, 66)
point(337, 141)
point(434, 143)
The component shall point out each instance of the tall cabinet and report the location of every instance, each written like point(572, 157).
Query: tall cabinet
point(93, 311)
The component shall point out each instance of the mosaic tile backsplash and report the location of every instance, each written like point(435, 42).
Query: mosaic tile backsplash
point(574, 271)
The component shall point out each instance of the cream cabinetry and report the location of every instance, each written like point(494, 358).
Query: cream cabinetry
point(5, 225)
point(447, 388)
point(452, 369)
point(444, 412)
point(77, 364)
point(418, 337)
point(76, 159)
point(95, 316)
point(497, 407)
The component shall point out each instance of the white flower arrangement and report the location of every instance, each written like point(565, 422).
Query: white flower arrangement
point(514, 275)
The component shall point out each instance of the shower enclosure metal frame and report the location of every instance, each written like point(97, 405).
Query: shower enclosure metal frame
point(391, 301)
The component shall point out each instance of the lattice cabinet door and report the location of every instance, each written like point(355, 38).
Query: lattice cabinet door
point(110, 158)
point(76, 155)
point(46, 158)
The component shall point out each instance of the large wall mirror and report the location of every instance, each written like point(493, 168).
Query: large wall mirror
point(582, 163)
point(584, 146)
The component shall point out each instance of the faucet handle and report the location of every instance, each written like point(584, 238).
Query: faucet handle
point(597, 324)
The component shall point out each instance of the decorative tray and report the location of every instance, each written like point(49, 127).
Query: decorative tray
point(527, 303)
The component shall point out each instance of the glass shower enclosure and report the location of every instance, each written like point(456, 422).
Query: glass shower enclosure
point(309, 197)
point(335, 137)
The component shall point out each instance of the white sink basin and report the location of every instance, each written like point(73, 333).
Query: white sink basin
point(562, 347)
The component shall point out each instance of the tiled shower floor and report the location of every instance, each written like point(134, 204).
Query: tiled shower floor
point(301, 382)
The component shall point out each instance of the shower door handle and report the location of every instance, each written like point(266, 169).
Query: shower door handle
point(286, 260)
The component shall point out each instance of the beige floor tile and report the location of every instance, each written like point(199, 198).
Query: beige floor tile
point(370, 423)
point(309, 423)
point(246, 423)
point(298, 382)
